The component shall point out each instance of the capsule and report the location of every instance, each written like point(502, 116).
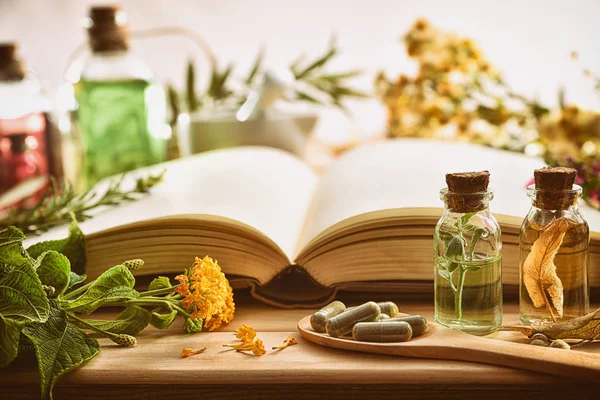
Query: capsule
point(540, 336)
point(382, 317)
point(343, 323)
point(399, 331)
point(318, 319)
point(390, 308)
point(560, 344)
point(417, 323)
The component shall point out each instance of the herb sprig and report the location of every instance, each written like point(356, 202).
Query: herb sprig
point(58, 203)
point(42, 298)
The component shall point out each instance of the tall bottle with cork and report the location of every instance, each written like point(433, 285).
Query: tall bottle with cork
point(468, 257)
point(121, 112)
point(554, 250)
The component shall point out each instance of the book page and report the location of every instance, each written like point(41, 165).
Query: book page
point(409, 173)
point(268, 189)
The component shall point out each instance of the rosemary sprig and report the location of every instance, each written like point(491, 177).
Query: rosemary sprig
point(58, 203)
point(317, 86)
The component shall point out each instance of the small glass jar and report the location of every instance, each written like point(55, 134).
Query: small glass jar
point(556, 285)
point(468, 265)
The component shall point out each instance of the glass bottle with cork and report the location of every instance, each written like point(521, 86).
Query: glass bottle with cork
point(468, 257)
point(30, 144)
point(121, 113)
point(554, 250)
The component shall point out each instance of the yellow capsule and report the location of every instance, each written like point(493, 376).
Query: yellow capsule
point(399, 331)
point(390, 308)
point(318, 319)
point(343, 323)
point(417, 323)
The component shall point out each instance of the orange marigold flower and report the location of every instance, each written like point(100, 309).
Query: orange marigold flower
point(206, 293)
point(257, 347)
point(289, 341)
point(245, 333)
point(187, 352)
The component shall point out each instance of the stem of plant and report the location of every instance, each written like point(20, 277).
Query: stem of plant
point(158, 292)
point(77, 291)
point(459, 291)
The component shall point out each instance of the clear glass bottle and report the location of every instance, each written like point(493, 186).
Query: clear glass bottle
point(554, 256)
point(120, 112)
point(468, 264)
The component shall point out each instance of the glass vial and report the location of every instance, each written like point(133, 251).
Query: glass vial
point(121, 112)
point(554, 250)
point(468, 257)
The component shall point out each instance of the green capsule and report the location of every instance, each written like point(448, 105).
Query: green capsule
point(318, 319)
point(390, 308)
point(399, 331)
point(343, 323)
point(382, 317)
point(417, 323)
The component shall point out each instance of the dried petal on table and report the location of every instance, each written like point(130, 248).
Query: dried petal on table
point(287, 342)
point(245, 333)
point(257, 347)
point(187, 352)
point(539, 271)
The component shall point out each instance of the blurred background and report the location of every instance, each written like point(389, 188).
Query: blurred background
point(314, 78)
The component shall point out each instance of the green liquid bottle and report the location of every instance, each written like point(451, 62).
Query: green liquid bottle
point(115, 121)
point(468, 257)
point(121, 113)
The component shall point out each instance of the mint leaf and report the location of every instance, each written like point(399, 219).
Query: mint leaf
point(76, 279)
point(131, 321)
point(162, 321)
point(59, 347)
point(465, 218)
point(73, 247)
point(455, 251)
point(9, 340)
point(23, 298)
point(114, 284)
point(161, 282)
point(54, 270)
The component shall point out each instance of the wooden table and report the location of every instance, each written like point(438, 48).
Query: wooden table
point(154, 369)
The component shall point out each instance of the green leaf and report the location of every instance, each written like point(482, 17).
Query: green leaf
point(479, 232)
point(173, 101)
point(22, 296)
point(60, 347)
point(76, 279)
point(161, 282)
point(465, 218)
point(73, 247)
point(115, 284)
point(9, 340)
point(192, 325)
point(190, 85)
point(163, 321)
point(472, 268)
point(455, 251)
point(444, 274)
point(452, 266)
point(54, 270)
point(256, 67)
point(131, 321)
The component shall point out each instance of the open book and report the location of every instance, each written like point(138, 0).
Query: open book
point(295, 237)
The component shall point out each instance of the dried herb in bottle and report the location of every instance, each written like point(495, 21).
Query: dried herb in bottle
point(554, 250)
point(467, 251)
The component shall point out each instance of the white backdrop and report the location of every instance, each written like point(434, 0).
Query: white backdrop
point(529, 40)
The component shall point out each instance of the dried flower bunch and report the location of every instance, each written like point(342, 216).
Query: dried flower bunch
point(456, 94)
point(44, 290)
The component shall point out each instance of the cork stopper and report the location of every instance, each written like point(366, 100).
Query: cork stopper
point(554, 188)
point(107, 31)
point(11, 68)
point(467, 191)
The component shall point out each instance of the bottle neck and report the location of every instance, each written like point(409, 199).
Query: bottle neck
point(466, 202)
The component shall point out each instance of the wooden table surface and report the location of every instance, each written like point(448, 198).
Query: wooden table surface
point(154, 369)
